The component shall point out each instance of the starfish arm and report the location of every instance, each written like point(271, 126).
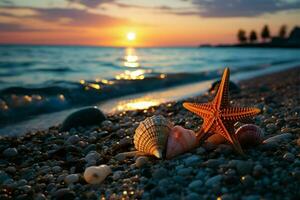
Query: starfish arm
point(237, 114)
point(204, 110)
point(207, 124)
point(229, 125)
point(222, 97)
point(221, 129)
point(205, 128)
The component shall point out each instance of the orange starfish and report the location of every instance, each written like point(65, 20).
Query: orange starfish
point(219, 117)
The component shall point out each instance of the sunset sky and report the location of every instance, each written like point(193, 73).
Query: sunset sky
point(154, 22)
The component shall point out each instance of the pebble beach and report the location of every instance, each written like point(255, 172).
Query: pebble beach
point(50, 164)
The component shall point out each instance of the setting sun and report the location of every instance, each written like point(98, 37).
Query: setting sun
point(131, 36)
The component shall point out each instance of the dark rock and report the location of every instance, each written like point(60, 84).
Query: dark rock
point(251, 197)
point(3, 177)
point(84, 117)
point(146, 171)
point(29, 174)
point(141, 161)
point(160, 173)
point(195, 185)
point(242, 167)
point(233, 88)
point(185, 171)
point(91, 147)
point(157, 192)
point(214, 181)
point(23, 197)
point(10, 152)
point(64, 152)
point(213, 163)
point(192, 160)
point(192, 196)
point(73, 139)
point(64, 194)
point(225, 197)
point(40, 196)
point(258, 170)
point(289, 157)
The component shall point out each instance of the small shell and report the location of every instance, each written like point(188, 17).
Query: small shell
point(249, 135)
point(152, 134)
point(96, 174)
point(180, 140)
point(216, 139)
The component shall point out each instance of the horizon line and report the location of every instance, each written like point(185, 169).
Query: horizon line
point(104, 46)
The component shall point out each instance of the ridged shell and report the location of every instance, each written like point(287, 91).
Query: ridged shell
point(249, 135)
point(180, 140)
point(152, 134)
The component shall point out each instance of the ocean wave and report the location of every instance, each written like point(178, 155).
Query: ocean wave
point(60, 69)
point(14, 64)
point(20, 102)
point(51, 79)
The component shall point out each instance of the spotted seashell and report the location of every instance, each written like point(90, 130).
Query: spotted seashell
point(180, 140)
point(152, 134)
point(249, 135)
point(96, 174)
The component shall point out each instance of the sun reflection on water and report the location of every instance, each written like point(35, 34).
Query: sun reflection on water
point(137, 104)
point(131, 58)
point(132, 75)
point(131, 62)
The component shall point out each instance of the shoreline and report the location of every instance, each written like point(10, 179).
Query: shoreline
point(44, 161)
point(117, 105)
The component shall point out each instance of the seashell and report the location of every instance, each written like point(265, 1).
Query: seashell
point(216, 139)
point(152, 134)
point(249, 135)
point(96, 174)
point(180, 140)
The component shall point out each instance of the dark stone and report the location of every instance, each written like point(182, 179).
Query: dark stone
point(150, 185)
point(146, 171)
point(3, 177)
point(84, 117)
point(65, 153)
point(160, 173)
point(157, 192)
point(233, 88)
point(64, 194)
point(23, 197)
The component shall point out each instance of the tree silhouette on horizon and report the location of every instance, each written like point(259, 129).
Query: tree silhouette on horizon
point(241, 35)
point(265, 33)
point(253, 36)
point(282, 31)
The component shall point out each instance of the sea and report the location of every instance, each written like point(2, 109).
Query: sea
point(40, 85)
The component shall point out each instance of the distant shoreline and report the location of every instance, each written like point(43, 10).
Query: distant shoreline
point(260, 45)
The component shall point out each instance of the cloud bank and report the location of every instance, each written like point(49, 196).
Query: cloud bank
point(241, 8)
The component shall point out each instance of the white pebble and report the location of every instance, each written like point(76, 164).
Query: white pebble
point(95, 175)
